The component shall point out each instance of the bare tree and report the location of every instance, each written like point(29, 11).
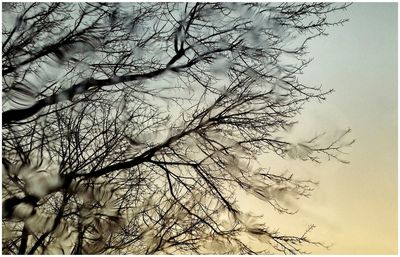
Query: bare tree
point(129, 128)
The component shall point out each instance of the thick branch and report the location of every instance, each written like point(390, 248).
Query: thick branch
point(68, 94)
point(24, 241)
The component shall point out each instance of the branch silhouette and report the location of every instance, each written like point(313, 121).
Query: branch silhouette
point(130, 128)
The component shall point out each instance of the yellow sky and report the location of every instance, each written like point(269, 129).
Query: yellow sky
point(355, 205)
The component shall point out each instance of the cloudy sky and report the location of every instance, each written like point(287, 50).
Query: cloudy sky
point(355, 205)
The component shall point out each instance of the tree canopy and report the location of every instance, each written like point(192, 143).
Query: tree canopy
point(130, 127)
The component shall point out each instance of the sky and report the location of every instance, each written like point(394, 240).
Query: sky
point(354, 206)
